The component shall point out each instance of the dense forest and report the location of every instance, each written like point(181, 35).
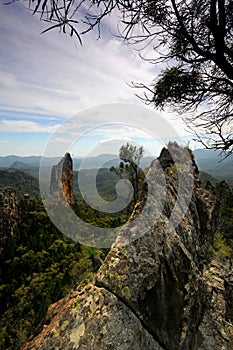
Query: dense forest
point(39, 265)
point(223, 239)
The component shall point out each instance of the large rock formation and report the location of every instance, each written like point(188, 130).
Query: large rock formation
point(159, 292)
point(61, 184)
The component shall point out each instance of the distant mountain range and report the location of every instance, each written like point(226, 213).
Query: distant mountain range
point(22, 183)
point(208, 161)
point(31, 165)
point(213, 163)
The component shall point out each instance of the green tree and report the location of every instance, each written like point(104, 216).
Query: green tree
point(130, 167)
point(193, 38)
point(223, 239)
point(38, 267)
point(220, 248)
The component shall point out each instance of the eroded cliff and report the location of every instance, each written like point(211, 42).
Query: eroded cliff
point(159, 292)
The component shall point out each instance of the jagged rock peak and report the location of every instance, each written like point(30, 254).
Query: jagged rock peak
point(165, 158)
point(61, 183)
point(154, 293)
point(175, 154)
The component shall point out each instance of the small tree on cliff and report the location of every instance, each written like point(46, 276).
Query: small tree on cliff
point(130, 167)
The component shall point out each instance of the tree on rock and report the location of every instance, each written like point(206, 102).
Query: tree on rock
point(130, 167)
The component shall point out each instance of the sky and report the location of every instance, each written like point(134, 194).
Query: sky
point(58, 96)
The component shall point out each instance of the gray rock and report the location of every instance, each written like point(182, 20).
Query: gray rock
point(93, 318)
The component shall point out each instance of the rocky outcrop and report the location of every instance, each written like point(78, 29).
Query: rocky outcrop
point(155, 292)
point(61, 184)
point(92, 318)
point(216, 328)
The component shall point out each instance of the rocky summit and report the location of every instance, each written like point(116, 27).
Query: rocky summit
point(158, 291)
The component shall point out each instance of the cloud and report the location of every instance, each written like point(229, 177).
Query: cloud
point(25, 126)
point(4, 141)
point(60, 140)
point(46, 79)
point(50, 73)
point(7, 80)
point(114, 141)
point(120, 121)
point(122, 132)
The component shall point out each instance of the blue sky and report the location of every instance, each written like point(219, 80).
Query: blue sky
point(47, 79)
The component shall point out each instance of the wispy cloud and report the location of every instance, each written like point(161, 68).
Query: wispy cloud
point(46, 79)
point(60, 140)
point(118, 134)
point(25, 126)
point(115, 140)
point(4, 141)
point(51, 73)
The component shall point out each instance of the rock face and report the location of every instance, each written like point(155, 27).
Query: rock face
point(157, 292)
point(61, 184)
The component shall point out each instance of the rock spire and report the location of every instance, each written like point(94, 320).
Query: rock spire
point(61, 184)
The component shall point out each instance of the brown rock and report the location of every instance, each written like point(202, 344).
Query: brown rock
point(61, 184)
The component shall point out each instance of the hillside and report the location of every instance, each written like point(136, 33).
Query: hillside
point(26, 168)
point(22, 183)
point(105, 182)
point(7, 161)
point(212, 162)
